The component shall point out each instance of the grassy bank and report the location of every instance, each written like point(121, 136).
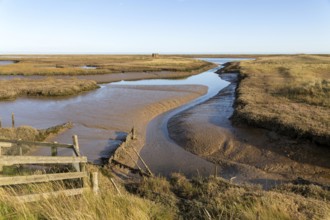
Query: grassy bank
point(27, 133)
point(288, 94)
point(11, 89)
point(98, 64)
point(175, 198)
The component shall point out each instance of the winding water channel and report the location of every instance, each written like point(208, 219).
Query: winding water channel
point(160, 152)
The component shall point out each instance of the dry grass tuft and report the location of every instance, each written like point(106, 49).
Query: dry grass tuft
point(10, 89)
point(215, 198)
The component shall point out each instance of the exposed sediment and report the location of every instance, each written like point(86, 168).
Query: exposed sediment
point(246, 153)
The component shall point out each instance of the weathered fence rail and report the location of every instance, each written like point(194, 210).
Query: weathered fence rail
point(78, 162)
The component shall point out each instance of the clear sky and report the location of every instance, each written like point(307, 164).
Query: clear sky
point(164, 26)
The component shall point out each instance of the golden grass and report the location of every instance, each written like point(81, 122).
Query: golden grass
point(71, 64)
point(10, 89)
point(27, 133)
point(215, 198)
point(289, 94)
point(176, 198)
point(108, 204)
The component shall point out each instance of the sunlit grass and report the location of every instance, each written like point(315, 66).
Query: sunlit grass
point(71, 64)
point(10, 89)
point(175, 198)
point(290, 94)
point(108, 204)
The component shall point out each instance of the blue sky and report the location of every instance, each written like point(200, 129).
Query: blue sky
point(164, 26)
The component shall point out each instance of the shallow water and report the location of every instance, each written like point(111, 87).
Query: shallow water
point(6, 62)
point(89, 67)
point(90, 113)
point(161, 152)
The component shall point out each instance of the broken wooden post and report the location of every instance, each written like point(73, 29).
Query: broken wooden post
point(12, 120)
point(0, 123)
point(76, 144)
point(145, 165)
point(76, 152)
point(95, 183)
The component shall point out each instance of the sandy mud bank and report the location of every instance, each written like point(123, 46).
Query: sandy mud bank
point(245, 153)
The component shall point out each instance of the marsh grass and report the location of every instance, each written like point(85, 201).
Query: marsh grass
point(11, 89)
point(173, 198)
point(28, 133)
point(71, 64)
point(289, 94)
point(216, 198)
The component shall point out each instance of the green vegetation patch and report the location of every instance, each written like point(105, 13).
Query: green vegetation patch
point(288, 94)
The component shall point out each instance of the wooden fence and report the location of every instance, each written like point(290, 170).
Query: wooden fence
point(77, 161)
point(125, 149)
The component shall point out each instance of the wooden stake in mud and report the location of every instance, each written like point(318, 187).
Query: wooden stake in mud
point(133, 134)
point(146, 166)
point(12, 120)
point(54, 150)
point(215, 170)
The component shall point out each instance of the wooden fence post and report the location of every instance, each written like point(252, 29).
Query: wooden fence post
point(12, 120)
point(84, 180)
point(0, 123)
point(95, 183)
point(77, 151)
point(76, 144)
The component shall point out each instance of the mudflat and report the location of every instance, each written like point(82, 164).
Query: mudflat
point(102, 119)
point(257, 155)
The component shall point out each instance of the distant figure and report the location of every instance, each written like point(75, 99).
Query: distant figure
point(155, 55)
